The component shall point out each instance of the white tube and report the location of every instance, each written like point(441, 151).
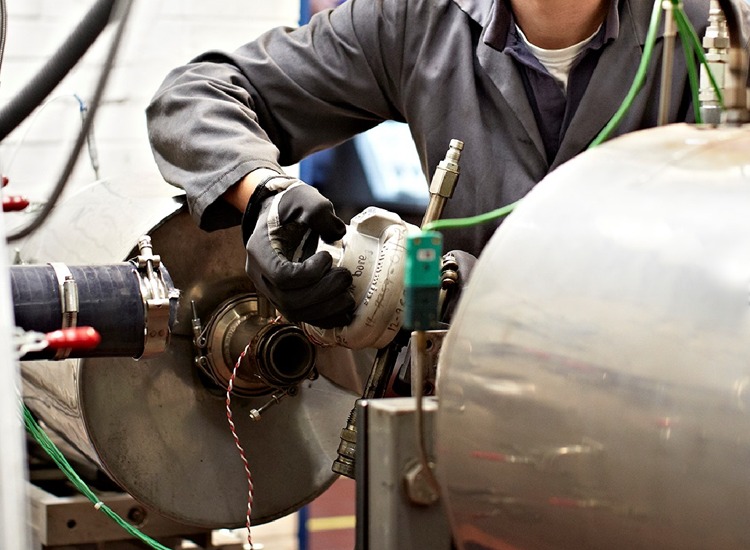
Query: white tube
point(13, 506)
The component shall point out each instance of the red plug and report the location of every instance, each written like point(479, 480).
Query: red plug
point(73, 338)
point(14, 203)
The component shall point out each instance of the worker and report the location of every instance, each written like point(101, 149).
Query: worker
point(525, 84)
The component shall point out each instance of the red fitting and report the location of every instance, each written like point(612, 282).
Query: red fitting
point(14, 203)
point(5, 180)
point(74, 338)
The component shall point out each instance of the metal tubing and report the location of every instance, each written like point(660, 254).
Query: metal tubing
point(667, 66)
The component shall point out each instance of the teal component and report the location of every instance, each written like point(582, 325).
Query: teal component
point(423, 257)
point(422, 280)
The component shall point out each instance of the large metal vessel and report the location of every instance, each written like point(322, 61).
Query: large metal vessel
point(158, 426)
point(594, 385)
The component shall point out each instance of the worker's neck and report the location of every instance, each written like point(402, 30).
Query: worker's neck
point(557, 24)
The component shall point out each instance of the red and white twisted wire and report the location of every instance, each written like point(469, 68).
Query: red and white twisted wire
point(239, 445)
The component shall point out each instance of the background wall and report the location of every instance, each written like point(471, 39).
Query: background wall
point(161, 34)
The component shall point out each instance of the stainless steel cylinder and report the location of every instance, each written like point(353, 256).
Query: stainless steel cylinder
point(156, 426)
point(594, 386)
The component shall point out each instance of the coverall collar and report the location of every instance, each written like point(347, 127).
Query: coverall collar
point(604, 93)
point(483, 11)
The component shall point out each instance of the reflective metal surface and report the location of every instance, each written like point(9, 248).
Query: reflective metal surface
point(593, 388)
point(153, 425)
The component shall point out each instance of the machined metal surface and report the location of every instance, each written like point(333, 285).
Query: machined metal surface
point(593, 387)
point(154, 425)
point(276, 355)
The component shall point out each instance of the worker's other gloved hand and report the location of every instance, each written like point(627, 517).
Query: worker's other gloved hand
point(280, 227)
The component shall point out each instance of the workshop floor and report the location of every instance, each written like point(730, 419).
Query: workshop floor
point(330, 525)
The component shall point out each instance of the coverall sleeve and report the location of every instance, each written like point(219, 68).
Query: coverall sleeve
point(275, 100)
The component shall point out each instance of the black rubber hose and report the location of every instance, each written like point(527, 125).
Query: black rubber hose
point(59, 65)
point(109, 298)
point(41, 217)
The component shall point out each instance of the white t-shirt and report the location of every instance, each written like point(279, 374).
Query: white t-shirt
point(557, 62)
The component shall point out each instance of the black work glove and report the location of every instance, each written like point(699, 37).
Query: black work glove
point(280, 227)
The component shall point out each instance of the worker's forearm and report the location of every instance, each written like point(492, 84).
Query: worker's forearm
point(239, 194)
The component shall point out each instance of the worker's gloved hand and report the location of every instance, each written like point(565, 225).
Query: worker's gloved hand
point(280, 227)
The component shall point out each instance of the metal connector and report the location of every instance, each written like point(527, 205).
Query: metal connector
point(444, 182)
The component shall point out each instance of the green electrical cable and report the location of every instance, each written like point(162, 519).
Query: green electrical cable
point(455, 223)
point(686, 26)
point(692, 71)
point(689, 52)
point(51, 449)
point(689, 38)
point(640, 77)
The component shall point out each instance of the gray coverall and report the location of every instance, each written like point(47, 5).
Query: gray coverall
point(429, 63)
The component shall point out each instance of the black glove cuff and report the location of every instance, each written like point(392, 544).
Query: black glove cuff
point(252, 211)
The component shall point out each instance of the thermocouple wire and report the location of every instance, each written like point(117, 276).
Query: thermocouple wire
point(250, 487)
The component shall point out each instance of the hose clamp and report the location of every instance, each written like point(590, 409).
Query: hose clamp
point(69, 304)
point(157, 296)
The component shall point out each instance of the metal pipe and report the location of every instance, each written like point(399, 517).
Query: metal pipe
point(735, 93)
point(716, 44)
point(667, 65)
point(419, 339)
point(282, 354)
point(441, 189)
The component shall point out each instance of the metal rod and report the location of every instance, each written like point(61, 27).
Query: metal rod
point(419, 338)
point(667, 66)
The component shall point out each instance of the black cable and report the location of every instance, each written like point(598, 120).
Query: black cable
point(59, 65)
point(122, 11)
point(3, 29)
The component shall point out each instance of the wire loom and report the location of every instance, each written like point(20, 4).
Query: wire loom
point(51, 449)
point(250, 488)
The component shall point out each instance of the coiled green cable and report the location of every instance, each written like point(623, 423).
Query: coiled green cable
point(51, 449)
point(690, 43)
